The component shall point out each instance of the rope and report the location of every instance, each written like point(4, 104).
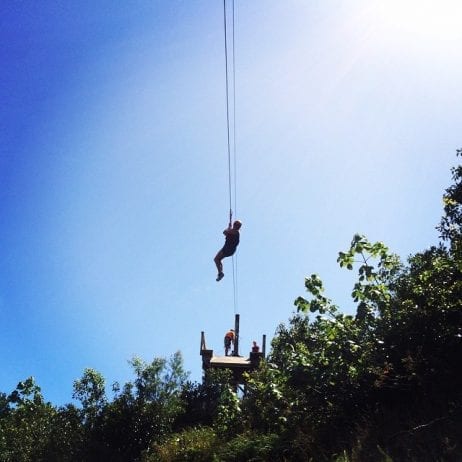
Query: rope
point(234, 157)
point(234, 117)
point(235, 292)
point(230, 183)
point(227, 113)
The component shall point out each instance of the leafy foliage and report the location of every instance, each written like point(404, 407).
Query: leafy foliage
point(364, 378)
point(201, 400)
point(192, 444)
point(451, 222)
point(27, 423)
point(142, 411)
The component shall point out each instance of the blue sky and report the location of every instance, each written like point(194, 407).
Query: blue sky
point(113, 167)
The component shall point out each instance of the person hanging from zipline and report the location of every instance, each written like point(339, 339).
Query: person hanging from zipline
point(231, 242)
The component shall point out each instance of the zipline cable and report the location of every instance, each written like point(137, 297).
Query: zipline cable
point(227, 113)
point(228, 123)
point(234, 158)
point(234, 115)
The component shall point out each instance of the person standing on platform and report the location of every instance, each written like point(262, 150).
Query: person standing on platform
point(229, 340)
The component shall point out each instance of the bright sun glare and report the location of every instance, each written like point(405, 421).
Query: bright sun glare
point(424, 22)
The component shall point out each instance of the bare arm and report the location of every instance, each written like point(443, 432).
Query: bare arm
point(229, 229)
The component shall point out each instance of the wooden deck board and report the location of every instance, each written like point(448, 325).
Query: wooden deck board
point(230, 361)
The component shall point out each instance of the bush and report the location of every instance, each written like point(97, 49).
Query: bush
point(250, 447)
point(192, 445)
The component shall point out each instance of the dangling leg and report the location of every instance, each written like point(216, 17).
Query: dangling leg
point(219, 256)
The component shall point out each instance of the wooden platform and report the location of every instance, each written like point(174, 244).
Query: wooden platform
point(230, 361)
point(235, 363)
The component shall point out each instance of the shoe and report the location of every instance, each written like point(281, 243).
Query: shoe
point(220, 276)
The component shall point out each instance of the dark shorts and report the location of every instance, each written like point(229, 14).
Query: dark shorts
point(227, 342)
point(228, 251)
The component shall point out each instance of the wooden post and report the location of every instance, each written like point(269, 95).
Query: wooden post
point(203, 347)
point(207, 355)
point(236, 336)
